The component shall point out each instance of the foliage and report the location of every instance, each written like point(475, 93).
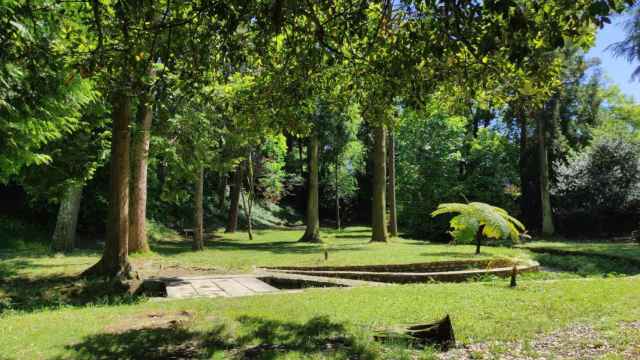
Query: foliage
point(19, 235)
point(342, 152)
point(430, 152)
point(603, 177)
point(494, 222)
point(41, 97)
point(270, 168)
point(619, 118)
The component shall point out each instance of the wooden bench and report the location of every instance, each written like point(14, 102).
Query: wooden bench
point(188, 233)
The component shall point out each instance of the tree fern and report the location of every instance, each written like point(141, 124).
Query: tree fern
point(478, 220)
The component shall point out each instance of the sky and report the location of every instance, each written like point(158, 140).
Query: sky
point(617, 69)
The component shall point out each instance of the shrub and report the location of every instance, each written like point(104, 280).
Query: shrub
point(603, 179)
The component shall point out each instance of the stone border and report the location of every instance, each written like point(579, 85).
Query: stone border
point(405, 277)
point(435, 266)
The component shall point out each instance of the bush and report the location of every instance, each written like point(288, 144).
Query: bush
point(18, 235)
point(600, 183)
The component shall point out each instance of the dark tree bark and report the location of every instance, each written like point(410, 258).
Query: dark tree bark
point(391, 191)
point(300, 156)
point(522, 165)
point(234, 201)
point(378, 207)
point(198, 221)
point(338, 224)
point(139, 156)
point(247, 200)
point(115, 261)
point(545, 197)
point(64, 235)
point(312, 233)
point(479, 239)
point(222, 189)
point(439, 334)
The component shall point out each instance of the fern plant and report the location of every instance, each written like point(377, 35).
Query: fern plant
point(476, 219)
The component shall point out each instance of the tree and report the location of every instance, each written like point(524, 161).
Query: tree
point(478, 220)
point(629, 48)
point(41, 99)
point(64, 235)
point(198, 221)
point(234, 201)
point(391, 186)
point(249, 198)
point(543, 158)
point(312, 215)
point(138, 204)
point(378, 218)
point(342, 157)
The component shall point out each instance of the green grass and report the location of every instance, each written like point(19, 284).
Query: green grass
point(46, 312)
point(235, 253)
point(36, 279)
point(628, 250)
point(303, 323)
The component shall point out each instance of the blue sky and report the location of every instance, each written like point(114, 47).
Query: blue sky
point(617, 69)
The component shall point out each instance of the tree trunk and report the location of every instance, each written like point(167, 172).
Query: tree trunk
point(545, 199)
point(140, 156)
point(64, 235)
point(198, 221)
point(439, 335)
point(391, 191)
point(338, 225)
point(222, 189)
point(523, 167)
point(247, 201)
point(479, 239)
point(114, 261)
point(234, 201)
point(300, 157)
point(378, 208)
point(312, 233)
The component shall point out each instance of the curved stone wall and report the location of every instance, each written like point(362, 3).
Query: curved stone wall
point(445, 271)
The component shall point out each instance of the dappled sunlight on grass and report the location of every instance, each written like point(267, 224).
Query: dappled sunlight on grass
point(303, 324)
point(234, 252)
point(631, 250)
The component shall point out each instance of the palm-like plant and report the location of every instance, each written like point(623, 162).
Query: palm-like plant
point(479, 220)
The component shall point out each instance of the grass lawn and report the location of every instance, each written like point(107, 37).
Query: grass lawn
point(622, 250)
point(48, 313)
point(305, 323)
point(587, 259)
point(234, 253)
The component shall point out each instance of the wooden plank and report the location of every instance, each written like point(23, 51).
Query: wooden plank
point(256, 285)
point(232, 287)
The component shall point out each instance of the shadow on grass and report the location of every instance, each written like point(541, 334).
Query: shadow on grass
point(456, 255)
point(32, 294)
point(169, 248)
point(588, 265)
point(260, 339)
point(352, 236)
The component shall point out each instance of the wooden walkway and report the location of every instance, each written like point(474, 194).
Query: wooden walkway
point(216, 286)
